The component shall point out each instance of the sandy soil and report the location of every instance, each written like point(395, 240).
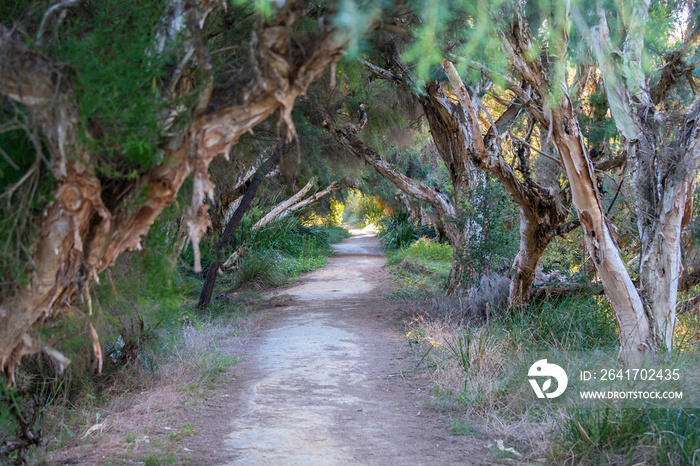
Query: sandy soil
point(320, 384)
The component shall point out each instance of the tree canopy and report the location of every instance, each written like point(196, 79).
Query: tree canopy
point(461, 112)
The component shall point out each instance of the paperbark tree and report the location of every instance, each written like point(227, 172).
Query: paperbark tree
point(79, 236)
point(464, 147)
point(664, 157)
point(542, 214)
point(562, 121)
point(663, 182)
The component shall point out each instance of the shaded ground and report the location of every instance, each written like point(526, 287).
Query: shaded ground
point(320, 383)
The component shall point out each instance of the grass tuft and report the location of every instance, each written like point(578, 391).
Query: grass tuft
point(628, 436)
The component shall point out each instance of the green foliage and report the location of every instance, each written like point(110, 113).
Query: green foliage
point(149, 288)
point(327, 212)
point(362, 210)
point(425, 51)
point(459, 427)
point(600, 130)
point(335, 217)
point(158, 460)
point(295, 266)
point(283, 249)
point(260, 269)
point(663, 436)
point(687, 334)
point(216, 365)
point(25, 189)
point(423, 251)
point(143, 292)
point(399, 231)
point(117, 74)
point(472, 25)
point(287, 236)
point(494, 241)
point(566, 254)
point(21, 413)
point(420, 268)
point(353, 18)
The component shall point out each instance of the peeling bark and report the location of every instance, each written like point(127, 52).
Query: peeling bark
point(664, 162)
point(280, 208)
point(565, 134)
point(623, 296)
point(458, 137)
point(540, 211)
point(79, 236)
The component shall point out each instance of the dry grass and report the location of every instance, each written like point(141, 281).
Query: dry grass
point(471, 367)
point(147, 416)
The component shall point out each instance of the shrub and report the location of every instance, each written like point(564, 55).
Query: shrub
point(421, 267)
point(494, 241)
point(399, 231)
point(259, 269)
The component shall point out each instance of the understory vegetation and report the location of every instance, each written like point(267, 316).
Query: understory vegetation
point(477, 352)
point(280, 251)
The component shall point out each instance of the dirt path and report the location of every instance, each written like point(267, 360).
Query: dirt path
point(321, 383)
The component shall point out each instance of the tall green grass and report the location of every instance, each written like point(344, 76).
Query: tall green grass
point(282, 250)
point(574, 323)
point(628, 436)
point(423, 251)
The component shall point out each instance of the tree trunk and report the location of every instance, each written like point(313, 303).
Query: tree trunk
point(460, 273)
point(234, 221)
point(635, 330)
point(663, 170)
point(533, 242)
point(565, 133)
point(413, 208)
point(282, 206)
point(541, 213)
point(660, 265)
